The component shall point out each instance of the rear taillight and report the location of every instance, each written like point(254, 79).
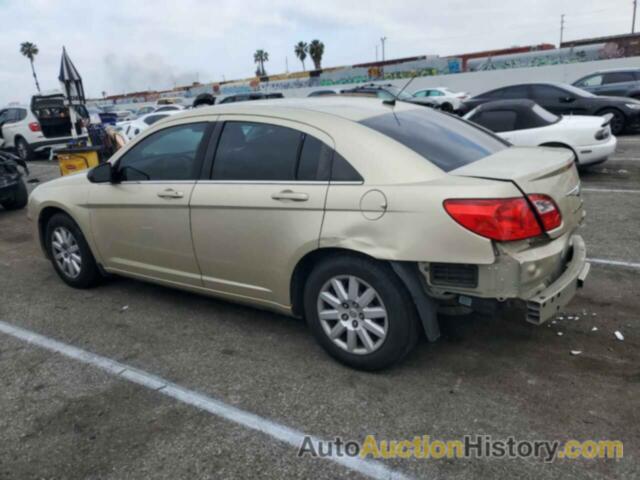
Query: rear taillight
point(34, 127)
point(505, 219)
point(602, 134)
point(548, 211)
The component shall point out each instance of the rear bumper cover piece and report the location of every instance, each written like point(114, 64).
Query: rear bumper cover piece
point(546, 304)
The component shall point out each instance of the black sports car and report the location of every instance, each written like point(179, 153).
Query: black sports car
point(563, 99)
point(13, 190)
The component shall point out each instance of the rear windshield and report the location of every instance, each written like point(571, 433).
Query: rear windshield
point(444, 140)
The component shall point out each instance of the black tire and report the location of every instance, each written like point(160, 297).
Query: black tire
point(446, 107)
point(402, 321)
point(23, 149)
point(89, 275)
point(20, 198)
point(618, 121)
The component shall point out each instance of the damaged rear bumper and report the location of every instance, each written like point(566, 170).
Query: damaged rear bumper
point(543, 278)
point(545, 304)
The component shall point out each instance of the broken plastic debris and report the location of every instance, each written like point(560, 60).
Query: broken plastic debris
point(594, 329)
point(576, 352)
point(560, 334)
point(618, 335)
point(125, 307)
point(553, 321)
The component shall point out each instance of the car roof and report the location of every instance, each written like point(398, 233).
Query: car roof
point(613, 70)
point(346, 107)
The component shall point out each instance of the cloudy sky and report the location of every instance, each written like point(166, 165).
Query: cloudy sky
point(122, 46)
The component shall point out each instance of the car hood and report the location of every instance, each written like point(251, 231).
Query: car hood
point(610, 99)
point(78, 178)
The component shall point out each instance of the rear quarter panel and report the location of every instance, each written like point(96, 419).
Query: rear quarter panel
point(414, 226)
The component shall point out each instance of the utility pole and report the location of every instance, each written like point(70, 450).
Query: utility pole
point(286, 62)
point(376, 53)
point(633, 22)
point(382, 40)
point(561, 30)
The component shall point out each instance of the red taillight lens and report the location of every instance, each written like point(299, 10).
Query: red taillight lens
point(34, 126)
point(547, 210)
point(502, 219)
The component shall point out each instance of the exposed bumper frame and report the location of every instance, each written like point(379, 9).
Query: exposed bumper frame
point(545, 304)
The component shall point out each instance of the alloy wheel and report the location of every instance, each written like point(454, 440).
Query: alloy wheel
point(352, 314)
point(66, 252)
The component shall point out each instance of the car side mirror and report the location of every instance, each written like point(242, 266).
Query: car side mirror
point(567, 99)
point(103, 173)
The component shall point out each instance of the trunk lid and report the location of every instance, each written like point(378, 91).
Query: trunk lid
point(549, 171)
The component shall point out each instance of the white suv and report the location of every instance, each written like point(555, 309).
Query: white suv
point(39, 127)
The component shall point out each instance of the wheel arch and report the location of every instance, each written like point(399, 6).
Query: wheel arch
point(44, 216)
point(407, 273)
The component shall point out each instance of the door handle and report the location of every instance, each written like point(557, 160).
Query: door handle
point(170, 193)
point(290, 195)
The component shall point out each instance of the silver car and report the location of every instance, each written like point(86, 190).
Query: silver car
point(361, 216)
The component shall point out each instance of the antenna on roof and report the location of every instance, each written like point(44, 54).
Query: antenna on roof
point(397, 96)
point(406, 84)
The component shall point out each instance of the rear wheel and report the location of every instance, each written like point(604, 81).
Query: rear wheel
point(446, 107)
point(618, 121)
point(69, 252)
point(23, 149)
point(360, 312)
point(20, 198)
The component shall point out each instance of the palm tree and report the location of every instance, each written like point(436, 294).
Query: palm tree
point(301, 49)
point(260, 57)
point(316, 50)
point(30, 50)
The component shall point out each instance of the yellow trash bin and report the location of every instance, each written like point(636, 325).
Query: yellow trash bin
point(74, 159)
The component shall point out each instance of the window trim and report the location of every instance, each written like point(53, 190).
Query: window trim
point(198, 161)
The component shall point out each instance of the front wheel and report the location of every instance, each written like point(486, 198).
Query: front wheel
point(360, 312)
point(69, 252)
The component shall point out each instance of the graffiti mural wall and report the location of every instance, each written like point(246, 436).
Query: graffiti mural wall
point(422, 66)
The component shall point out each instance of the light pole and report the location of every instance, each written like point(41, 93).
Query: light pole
point(633, 22)
point(561, 29)
point(382, 40)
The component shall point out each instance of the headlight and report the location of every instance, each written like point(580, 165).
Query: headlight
point(633, 106)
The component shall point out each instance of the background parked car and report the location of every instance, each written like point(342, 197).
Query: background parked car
point(619, 82)
point(389, 92)
point(244, 97)
point(563, 99)
point(321, 93)
point(13, 190)
point(133, 128)
point(525, 123)
point(43, 125)
point(169, 108)
point(449, 101)
point(145, 110)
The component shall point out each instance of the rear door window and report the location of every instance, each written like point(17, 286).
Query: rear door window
point(618, 77)
point(444, 140)
point(256, 151)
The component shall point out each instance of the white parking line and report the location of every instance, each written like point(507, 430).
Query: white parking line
point(370, 468)
point(610, 190)
point(615, 263)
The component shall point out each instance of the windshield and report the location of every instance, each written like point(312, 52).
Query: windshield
point(444, 140)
